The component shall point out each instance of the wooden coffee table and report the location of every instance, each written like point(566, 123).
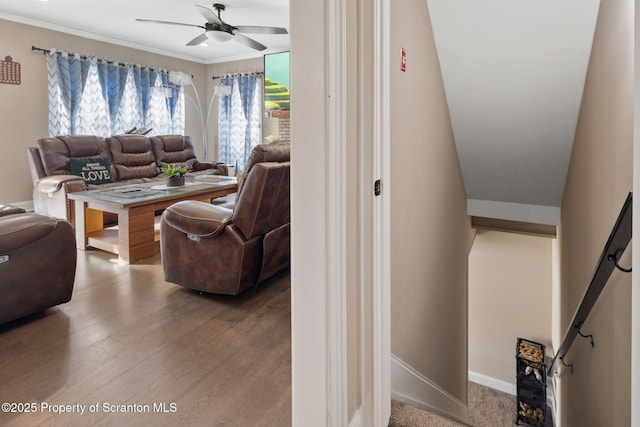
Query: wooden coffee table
point(137, 236)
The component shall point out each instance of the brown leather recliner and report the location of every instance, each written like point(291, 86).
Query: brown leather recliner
point(218, 250)
point(274, 152)
point(37, 262)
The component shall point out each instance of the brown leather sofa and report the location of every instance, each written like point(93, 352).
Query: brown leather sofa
point(37, 262)
point(177, 149)
point(219, 250)
point(134, 159)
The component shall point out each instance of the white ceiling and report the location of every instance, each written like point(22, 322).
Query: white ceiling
point(114, 21)
point(514, 73)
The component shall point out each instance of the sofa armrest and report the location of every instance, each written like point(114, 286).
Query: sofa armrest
point(6, 210)
point(196, 218)
point(200, 166)
point(50, 195)
point(53, 184)
point(221, 167)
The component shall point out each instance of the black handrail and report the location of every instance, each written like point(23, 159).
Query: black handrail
point(613, 250)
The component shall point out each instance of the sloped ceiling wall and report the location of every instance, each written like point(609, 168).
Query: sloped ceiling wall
point(514, 74)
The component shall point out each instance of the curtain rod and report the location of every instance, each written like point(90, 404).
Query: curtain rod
point(72, 54)
point(34, 48)
point(236, 74)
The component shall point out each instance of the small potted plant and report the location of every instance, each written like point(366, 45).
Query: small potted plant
point(175, 175)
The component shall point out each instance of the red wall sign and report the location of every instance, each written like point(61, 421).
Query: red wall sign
point(403, 63)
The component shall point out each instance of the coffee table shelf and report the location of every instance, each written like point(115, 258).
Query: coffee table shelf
point(107, 238)
point(137, 235)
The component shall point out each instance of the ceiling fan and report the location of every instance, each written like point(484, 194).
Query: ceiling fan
point(219, 30)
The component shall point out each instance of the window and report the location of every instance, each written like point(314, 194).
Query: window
point(92, 96)
point(239, 118)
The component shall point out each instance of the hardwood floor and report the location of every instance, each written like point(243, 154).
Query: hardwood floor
point(127, 337)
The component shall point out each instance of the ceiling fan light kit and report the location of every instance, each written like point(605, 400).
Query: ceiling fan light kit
point(220, 36)
point(216, 29)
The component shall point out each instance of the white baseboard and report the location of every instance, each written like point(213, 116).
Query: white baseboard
point(411, 387)
point(356, 420)
point(491, 382)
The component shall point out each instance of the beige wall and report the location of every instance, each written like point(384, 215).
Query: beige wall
point(24, 107)
point(509, 297)
point(429, 226)
point(599, 178)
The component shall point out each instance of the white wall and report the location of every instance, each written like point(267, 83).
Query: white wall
point(510, 296)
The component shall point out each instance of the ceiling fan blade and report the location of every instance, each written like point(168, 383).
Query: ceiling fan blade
point(198, 40)
point(255, 29)
point(248, 42)
point(208, 14)
point(153, 21)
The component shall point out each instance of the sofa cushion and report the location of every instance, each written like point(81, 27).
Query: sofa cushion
point(56, 152)
point(94, 170)
point(132, 157)
point(174, 149)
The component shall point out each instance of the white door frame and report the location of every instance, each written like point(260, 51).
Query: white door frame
point(381, 310)
point(318, 215)
point(318, 300)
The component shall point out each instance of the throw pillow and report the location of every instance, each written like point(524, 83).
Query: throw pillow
point(94, 170)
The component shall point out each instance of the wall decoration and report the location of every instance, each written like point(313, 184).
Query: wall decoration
point(276, 81)
point(9, 71)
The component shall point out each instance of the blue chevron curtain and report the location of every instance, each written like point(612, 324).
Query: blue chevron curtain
point(91, 96)
point(239, 118)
